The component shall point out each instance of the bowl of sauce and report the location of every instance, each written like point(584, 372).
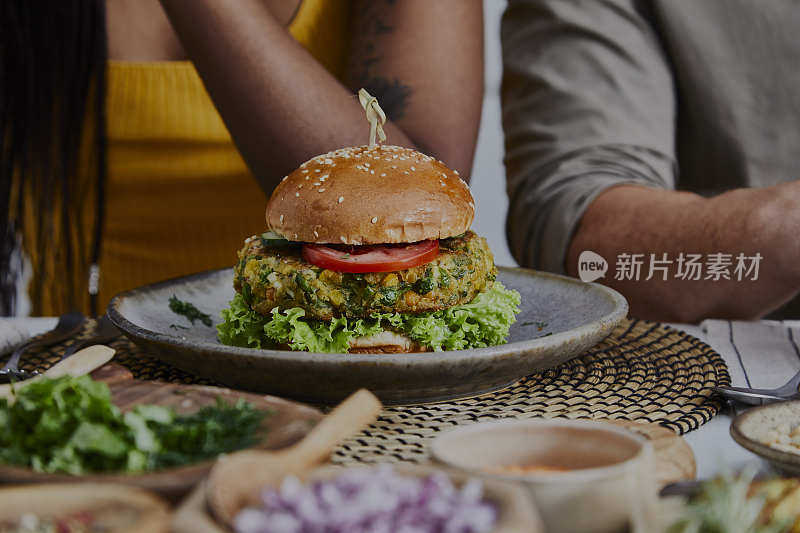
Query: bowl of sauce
point(584, 476)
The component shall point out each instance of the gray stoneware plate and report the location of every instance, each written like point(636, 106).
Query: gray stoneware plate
point(750, 428)
point(576, 316)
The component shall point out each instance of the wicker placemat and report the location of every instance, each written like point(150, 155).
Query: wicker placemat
point(141, 364)
point(643, 371)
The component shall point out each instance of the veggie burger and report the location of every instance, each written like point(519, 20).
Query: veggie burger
point(369, 250)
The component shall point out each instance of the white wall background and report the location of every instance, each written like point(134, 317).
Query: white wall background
point(488, 173)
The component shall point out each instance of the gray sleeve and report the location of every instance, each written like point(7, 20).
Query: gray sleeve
point(588, 103)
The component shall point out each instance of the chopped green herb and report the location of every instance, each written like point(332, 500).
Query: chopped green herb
point(425, 285)
point(388, 296)
point(539, 325)
point(189, 311)
point(302, 282)
point(247, 292)
point(69, 425)
point(263, 275)
point(345, 256)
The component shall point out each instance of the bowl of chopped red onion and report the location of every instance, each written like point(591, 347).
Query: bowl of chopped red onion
point(386, 499)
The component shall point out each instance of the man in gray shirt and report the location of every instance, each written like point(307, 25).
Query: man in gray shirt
point(654, 132)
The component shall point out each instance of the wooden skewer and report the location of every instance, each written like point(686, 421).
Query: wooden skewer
point(235, 481)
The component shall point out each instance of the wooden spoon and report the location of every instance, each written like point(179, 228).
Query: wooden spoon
point(235, 481)
point(79, 363)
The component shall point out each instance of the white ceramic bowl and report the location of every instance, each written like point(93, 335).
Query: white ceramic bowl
point(605, 480)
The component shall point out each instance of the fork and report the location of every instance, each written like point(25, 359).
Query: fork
point(789, 391)
point(68, 325)
point(105, 331)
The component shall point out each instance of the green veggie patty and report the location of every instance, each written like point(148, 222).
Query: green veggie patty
point(450, 303)
point(277, 276)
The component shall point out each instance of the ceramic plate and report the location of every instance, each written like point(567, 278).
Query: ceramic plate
point(751, 427)
point(561, 317)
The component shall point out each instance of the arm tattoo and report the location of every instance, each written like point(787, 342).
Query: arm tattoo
point(370, 24)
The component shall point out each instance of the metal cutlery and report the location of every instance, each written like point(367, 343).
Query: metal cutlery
point(82, 362)
point(68, 325)
point(789, 391)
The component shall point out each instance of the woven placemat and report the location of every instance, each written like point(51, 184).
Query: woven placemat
point(643, 371)
point(142, 364)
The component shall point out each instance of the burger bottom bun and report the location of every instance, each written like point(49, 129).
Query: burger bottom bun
point(385, 342)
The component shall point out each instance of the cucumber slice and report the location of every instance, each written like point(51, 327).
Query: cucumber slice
point(272, 239)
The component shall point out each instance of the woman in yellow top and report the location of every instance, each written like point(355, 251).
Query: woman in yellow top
point(119, 117)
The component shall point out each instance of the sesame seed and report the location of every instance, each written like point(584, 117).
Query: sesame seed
point(456, 172)
point(383, 174)
point(328, 161)
point(323, 178)
point(372, 172)
point(307, 177)
point(394, 166)
point(440, 181)
point(412, 168)
point(305, 171)
point(321, 190)
point(374, 220)
point(316, 170)
point(316, 234)
point(300, 186)
point(281, 219)
point(316, 184)
point(341, 199)
point(284, 178)
point(405, 172)
point(298, 194)
point(341, 237)
point(366, 164)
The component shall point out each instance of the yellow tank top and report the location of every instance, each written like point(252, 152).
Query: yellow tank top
point(179, 199)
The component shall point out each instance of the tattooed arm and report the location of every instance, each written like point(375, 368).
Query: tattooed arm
point(422, 59)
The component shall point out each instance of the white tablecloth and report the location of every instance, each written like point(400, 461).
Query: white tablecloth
point(758, 354)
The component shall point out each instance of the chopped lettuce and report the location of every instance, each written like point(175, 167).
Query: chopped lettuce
point(485, 321)
point(69, 424)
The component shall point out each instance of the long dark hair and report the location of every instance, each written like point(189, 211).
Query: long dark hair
point(52, 92)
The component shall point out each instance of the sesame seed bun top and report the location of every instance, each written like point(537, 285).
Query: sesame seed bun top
point(371, 195)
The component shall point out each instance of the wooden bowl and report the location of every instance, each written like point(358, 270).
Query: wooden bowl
point(287, 423)
point(516, 512)
point(590, 476)
point(57, 500)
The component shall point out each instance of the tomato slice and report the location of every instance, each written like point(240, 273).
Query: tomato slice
point(371, 258)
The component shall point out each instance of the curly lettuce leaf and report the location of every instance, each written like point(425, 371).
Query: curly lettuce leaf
point(485, 321)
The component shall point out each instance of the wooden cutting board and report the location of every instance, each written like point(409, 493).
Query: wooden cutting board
point(673, 456)
point(286, 423)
